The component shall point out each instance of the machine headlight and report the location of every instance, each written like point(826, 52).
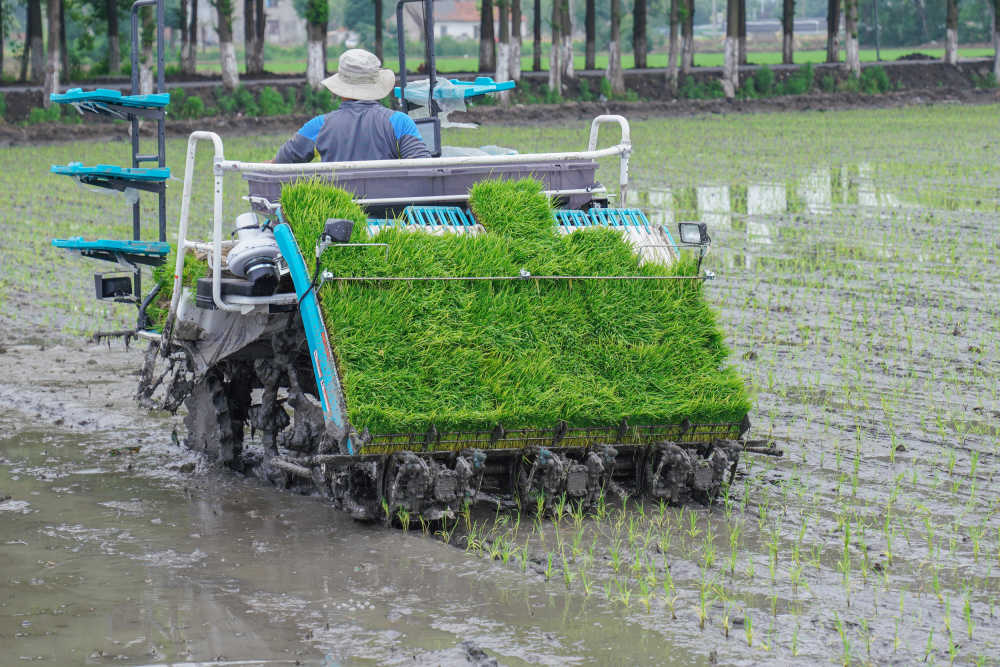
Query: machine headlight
point(694, 233)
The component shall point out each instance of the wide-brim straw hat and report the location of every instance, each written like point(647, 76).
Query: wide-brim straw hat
point(360, 77)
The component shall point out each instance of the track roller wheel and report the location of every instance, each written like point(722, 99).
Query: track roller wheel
point(665, 472)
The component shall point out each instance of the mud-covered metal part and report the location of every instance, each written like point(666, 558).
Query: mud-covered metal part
point(164, 382)
point(676, 474)
point(215, 418)
point(270, 388)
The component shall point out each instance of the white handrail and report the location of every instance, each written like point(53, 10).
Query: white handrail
point(622, 150)
point(182, 229)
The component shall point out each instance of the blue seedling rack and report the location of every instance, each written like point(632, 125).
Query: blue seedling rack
point(132, 107)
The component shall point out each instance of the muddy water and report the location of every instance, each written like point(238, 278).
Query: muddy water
point(118, 547)
point(859, 298)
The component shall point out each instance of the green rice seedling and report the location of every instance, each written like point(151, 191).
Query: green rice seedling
point(748, 627)
point(404, 519)
point(483, 348)
point(967, 614)
point(845, 640)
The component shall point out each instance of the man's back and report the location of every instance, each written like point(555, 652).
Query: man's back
point(358, 130)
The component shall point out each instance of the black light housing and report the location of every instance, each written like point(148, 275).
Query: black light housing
point(694, 233)
point(113, 286)
point(337, 230)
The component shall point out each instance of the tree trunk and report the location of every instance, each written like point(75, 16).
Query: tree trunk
point(951, 34)
point(379, 30)
point(996, 40)
point(26, 52)
point(63, 50)
point(487, 48)
point(853, 61)
point(832, 31)
point(227, 50)
point(615, 74)
point(146, 36)
point(536, 37)
point(53, 60)
point(590, 43)
point(260, 22)
point(251, 50)
point(730, 68)
point(922, 14)
point(555, 52)
point(503, 48)
point(515, 40)
point(674, 48)
point(189, 59)
point(35, 38)
point(742, 27)
point(315, 65)
point(788, 32)
point(567, 39)
point(687, 32)
point(185, 32)
point(639, 44)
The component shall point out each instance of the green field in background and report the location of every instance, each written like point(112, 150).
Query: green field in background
point(209, 62)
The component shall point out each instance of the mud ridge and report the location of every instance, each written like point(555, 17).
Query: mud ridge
point(535, 114)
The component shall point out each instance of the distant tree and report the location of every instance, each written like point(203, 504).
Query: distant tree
point(317, 16)
point(639, 44)
point(379, 30)
point(503, 45)
point(590, 40)
point(253, 35)
point(832, 31)
point(146, 35)
point(853, 60)
point(615, 74)
point(730, 68)
point(555, 53)
point(189, 59)
point(35, 46)
point(53, 61)
point(63, 49)
point(566, 31)
point(741, 28)
point(515, 40)
point(227, 49)
point(674, 46)
point(487, 48)
point(687, 36)
point(996, 40)
point(951, 33)
point(788, 32)
point(182, 23)
point(536, 37)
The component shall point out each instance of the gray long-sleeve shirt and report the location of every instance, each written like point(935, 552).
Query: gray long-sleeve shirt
point(358, 130)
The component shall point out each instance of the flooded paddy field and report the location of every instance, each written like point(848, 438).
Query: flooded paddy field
point(857, 282)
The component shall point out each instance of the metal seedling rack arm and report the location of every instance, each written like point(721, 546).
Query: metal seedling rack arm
point(134, 107)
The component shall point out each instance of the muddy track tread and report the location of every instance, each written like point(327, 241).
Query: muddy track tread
point(209, 422)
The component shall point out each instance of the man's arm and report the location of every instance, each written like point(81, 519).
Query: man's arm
point(409, 143)
point(302, 146)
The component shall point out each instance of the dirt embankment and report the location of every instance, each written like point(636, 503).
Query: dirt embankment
point(914, 82)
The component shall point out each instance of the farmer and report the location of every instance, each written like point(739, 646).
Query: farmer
point(361, 129)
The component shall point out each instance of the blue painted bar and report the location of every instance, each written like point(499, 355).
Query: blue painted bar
point(320, 352)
